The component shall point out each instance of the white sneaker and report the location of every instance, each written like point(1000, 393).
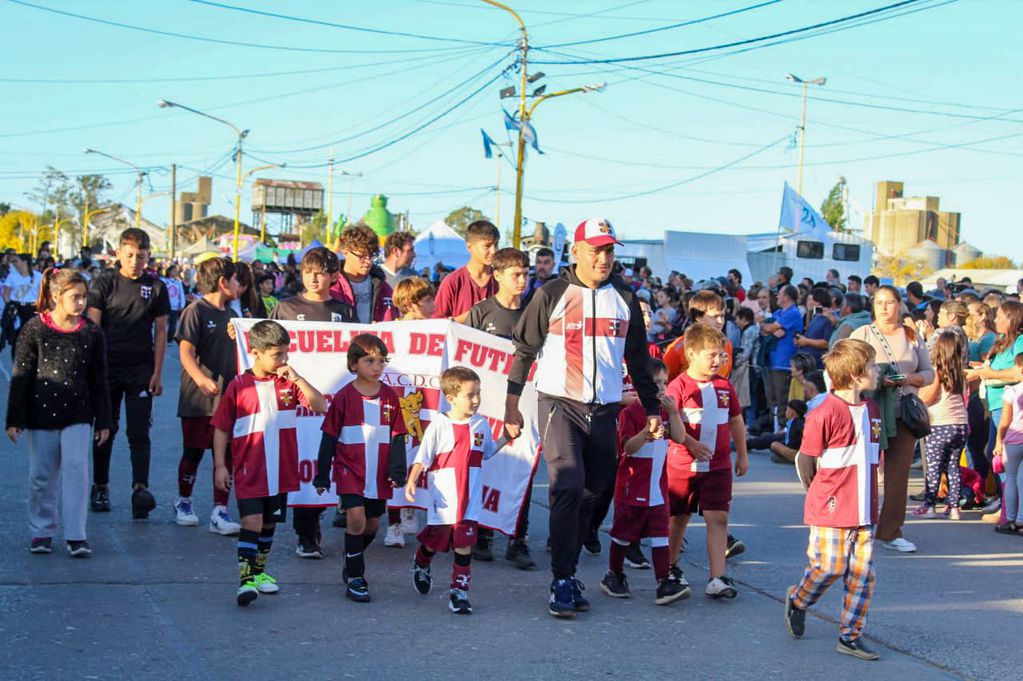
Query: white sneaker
point(899, 544)
point(221, 523)
point(184, 515)
point(394, 537)
point(721, 587)
point(995, 505)
point(409, 521)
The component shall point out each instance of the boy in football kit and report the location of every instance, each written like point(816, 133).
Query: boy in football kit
point(837, 463)
point(700, 470)
point(498, 315)
point(451, 453)
point(320, 268)
point(641, 493)
point(364, 443)
point(209, 361)
point(256, 419)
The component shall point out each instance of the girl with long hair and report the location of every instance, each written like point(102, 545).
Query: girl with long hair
point(58, 395)
point(946, 400)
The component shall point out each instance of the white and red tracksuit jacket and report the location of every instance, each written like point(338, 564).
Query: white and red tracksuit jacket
point(579, 337)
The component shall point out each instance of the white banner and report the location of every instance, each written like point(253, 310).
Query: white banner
point(419, 352)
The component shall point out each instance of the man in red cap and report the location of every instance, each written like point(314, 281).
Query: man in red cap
point(580, 328)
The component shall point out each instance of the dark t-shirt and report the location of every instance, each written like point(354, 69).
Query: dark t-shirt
point(458, 293)
point(301, 309)
point(492, 317)
point(128, 307)
point(205, 327)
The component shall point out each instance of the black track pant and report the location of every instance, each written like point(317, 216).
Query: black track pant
point(580, 448)
point(131, 385)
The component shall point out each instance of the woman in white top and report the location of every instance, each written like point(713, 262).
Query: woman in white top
point(946, 399)
point(20, 289)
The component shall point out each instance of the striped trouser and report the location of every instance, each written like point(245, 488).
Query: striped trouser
point(835, 553)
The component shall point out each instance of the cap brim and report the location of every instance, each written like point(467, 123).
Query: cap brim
point(603, 240)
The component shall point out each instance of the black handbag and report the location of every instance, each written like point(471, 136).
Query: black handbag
point(911, 409)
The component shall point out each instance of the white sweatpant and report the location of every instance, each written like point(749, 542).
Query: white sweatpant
point(63, 453)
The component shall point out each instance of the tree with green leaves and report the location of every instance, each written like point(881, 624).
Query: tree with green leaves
point(833, 208)
point(460, 219)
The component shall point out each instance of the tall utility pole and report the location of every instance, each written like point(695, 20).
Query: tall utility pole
point(330, 194)
point(802, 123)
point(173, 209)
point(523, 117)
point(139, 175)
point(242, 134)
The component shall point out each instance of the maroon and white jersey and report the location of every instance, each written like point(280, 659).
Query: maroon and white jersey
point(642, 479)
point(452, 453)
point(259, 413)
point(846, 438)
point(363, 427)
point(585, 340)
point(705, 409)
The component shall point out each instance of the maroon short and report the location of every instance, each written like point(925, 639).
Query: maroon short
point(632, 523)
point(197, 432)
point(692, 492)
point(443, 538)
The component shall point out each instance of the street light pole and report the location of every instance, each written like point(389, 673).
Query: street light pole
point(138, 180)
point(351, 188)
point(802, 122)
point(242, 134)
point(523, 117)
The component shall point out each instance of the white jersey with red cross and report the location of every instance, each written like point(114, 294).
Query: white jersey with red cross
point(451, 453)
point(585, 344)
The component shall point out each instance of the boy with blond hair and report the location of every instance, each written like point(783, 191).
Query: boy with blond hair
point(837, 464)
point(700, 469)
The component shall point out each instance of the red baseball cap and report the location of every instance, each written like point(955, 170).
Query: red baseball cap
point(596, 232)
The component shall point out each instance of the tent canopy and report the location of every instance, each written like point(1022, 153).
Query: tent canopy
point(440, 243)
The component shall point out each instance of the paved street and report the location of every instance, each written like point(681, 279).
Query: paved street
point(156, 601)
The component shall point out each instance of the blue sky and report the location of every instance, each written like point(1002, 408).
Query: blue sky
point(714, 128)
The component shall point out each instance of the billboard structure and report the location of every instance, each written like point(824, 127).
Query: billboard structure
point(285, 199)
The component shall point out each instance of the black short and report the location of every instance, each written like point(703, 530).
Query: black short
point(374, 507)
point(273, 509)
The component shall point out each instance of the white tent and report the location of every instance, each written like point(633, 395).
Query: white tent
point(440, 243)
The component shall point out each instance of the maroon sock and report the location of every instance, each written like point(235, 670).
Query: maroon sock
point(617, 557)
point(423, 559)
point(393, 516)
point(460, 575)
point(660, 557)
point(186, 473)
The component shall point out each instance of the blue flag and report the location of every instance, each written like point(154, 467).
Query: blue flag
point(797, 215)
point(528, 131)
point(487, 144)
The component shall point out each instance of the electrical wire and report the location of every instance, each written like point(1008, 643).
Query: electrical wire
point(233, 43)
point(671, 185)
point(348, 27)
point(736, 43)
point(659, 29)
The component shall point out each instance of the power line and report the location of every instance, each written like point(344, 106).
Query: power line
point(401, 116)
point(239, 76)
point(669, 27)
point(736, 43)
point(671, 185)
point(233, 43)
point(349, 27)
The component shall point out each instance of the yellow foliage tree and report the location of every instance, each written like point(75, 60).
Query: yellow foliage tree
point(901, 270)
point(985, 262)
point(16, 230)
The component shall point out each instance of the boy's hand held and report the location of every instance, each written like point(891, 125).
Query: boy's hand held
point(410, 490)
point(210, 387)
point(222, 478)
point(13, 432)
point(741, 465)
point(231, 333)
point(102, 436)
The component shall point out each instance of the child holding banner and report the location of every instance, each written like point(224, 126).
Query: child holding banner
point(320, 267)
point(256, 418)
point(498, 315)
point(364, 442)
point(414, 299)
point(453, 448)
